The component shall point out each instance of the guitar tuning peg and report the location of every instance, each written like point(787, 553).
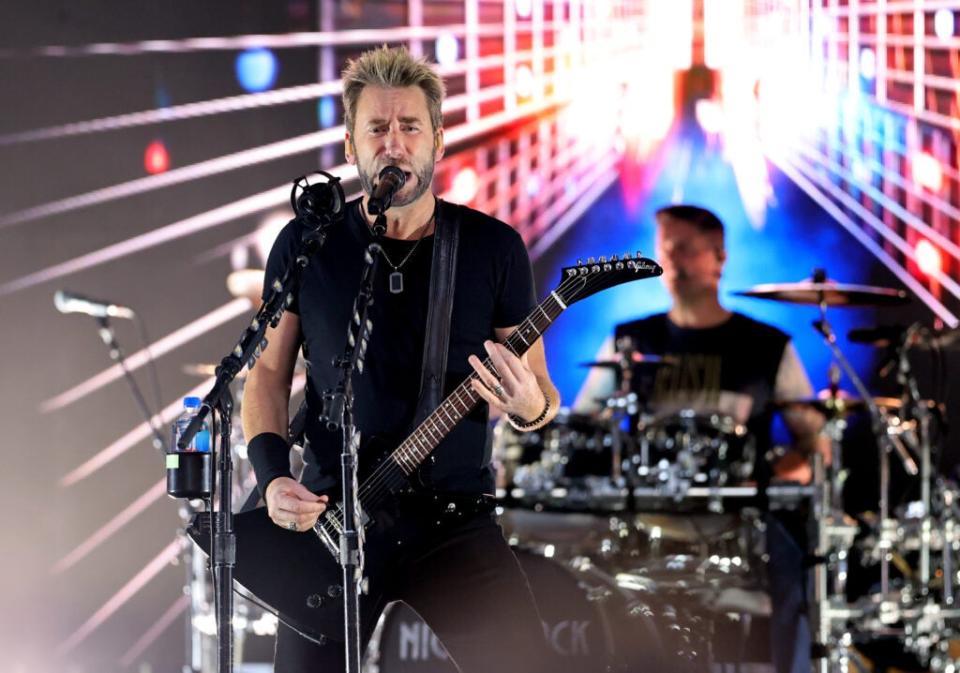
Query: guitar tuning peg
point(603, 260)
point(591, 260)
point(626, 255)
point(639, 254)
point(614, 259)
point(579, 262)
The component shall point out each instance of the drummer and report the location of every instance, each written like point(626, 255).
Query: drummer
point(719, 361)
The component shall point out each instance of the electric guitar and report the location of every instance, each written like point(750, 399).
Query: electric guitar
point(298, 574)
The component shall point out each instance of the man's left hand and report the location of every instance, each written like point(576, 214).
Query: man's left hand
point(517, 390)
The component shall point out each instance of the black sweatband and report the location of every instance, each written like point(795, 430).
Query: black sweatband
point(269, 454)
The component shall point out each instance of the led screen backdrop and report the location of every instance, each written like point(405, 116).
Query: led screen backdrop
point(147, 152)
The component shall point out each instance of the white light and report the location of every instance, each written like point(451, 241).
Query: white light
point(447, 49)
point(868, 63)
point(523, 81)
point(709, 115)
point(549, 550)
point(239, 257)
point(533, 185)
point(524, 8)
point(944, 23)
point(928, 257)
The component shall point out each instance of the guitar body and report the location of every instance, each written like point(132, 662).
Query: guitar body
point(295, 574)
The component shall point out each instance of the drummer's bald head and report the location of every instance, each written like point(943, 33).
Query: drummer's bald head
point(700, 219)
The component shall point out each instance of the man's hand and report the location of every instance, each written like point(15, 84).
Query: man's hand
point(517, 391)
point(292, 506)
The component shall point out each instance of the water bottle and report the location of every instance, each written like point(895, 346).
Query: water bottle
point(190, 471)
point(201, 440)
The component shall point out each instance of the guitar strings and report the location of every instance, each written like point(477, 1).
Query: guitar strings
point(381, 482)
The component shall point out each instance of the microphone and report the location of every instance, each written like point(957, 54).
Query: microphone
point(68, 302)
point(390, 182)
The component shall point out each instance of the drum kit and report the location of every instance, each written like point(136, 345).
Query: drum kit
point(663, 505)
point(644, 537)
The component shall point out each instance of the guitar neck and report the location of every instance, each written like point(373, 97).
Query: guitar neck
point(428, 435)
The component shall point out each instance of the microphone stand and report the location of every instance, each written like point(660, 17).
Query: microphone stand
point(220, 402)
point(109, 338)
point(338, 415)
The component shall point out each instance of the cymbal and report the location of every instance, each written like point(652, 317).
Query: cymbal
point(246, 283)
point(838, 406)
point(830, 293)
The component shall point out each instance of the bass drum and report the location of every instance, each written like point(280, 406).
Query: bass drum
point(591, 625)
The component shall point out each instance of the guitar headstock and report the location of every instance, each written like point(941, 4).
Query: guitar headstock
point(587, 278)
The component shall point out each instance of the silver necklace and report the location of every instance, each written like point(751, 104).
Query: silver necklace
point(396, 278)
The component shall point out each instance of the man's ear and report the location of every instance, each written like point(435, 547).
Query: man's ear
point(438, 146)
point(349, 151)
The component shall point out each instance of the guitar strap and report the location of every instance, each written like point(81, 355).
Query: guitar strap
point(439, 312)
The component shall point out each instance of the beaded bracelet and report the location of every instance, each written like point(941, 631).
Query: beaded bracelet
point(522, 425)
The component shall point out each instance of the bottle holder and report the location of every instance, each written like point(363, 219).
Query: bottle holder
point(190, 474)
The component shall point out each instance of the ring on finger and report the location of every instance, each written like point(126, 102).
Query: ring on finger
point(498, 390)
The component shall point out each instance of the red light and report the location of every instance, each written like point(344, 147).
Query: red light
point(927, 172)
point(155, 158)
point(928, 256)
point(465, 185)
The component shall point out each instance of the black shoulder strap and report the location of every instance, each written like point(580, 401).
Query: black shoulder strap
point(440, 309)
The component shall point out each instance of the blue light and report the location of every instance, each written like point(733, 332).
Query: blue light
point(326, 112)
point(256, 69)
point(944, 23)
point(447, 49)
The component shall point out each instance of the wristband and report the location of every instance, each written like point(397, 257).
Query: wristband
point(522, 425)
point(269, 454)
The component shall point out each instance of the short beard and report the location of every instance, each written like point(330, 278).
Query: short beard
point(424, 180)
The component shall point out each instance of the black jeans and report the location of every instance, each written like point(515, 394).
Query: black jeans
point(465, 582)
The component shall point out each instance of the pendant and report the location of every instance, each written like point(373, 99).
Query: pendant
point(396, 282)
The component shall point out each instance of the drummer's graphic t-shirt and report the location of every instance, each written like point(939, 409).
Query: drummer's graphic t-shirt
point(735, 368)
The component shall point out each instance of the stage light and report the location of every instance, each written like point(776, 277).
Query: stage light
point(523, 81)
point(326, 112)
point(447, 49)
point(944, 23)
point(156, 159)
point(533, 185)
point(928, 257)
point(861, 171)
point(465, 185)
point(927, 171)
point(868, 63)
point(524, 8)
point(256, 69)
point(709, 115)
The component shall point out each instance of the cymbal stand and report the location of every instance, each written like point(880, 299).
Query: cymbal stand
point(834, 536)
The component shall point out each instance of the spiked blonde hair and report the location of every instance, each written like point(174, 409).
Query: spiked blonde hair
point(390, 68)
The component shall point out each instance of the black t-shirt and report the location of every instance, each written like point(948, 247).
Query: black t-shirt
point(730, 367)
point(494, 288)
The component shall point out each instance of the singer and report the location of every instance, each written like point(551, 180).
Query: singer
point(452, 564)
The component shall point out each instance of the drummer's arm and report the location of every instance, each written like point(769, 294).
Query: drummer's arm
point(600, 382)
point(804, 424)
